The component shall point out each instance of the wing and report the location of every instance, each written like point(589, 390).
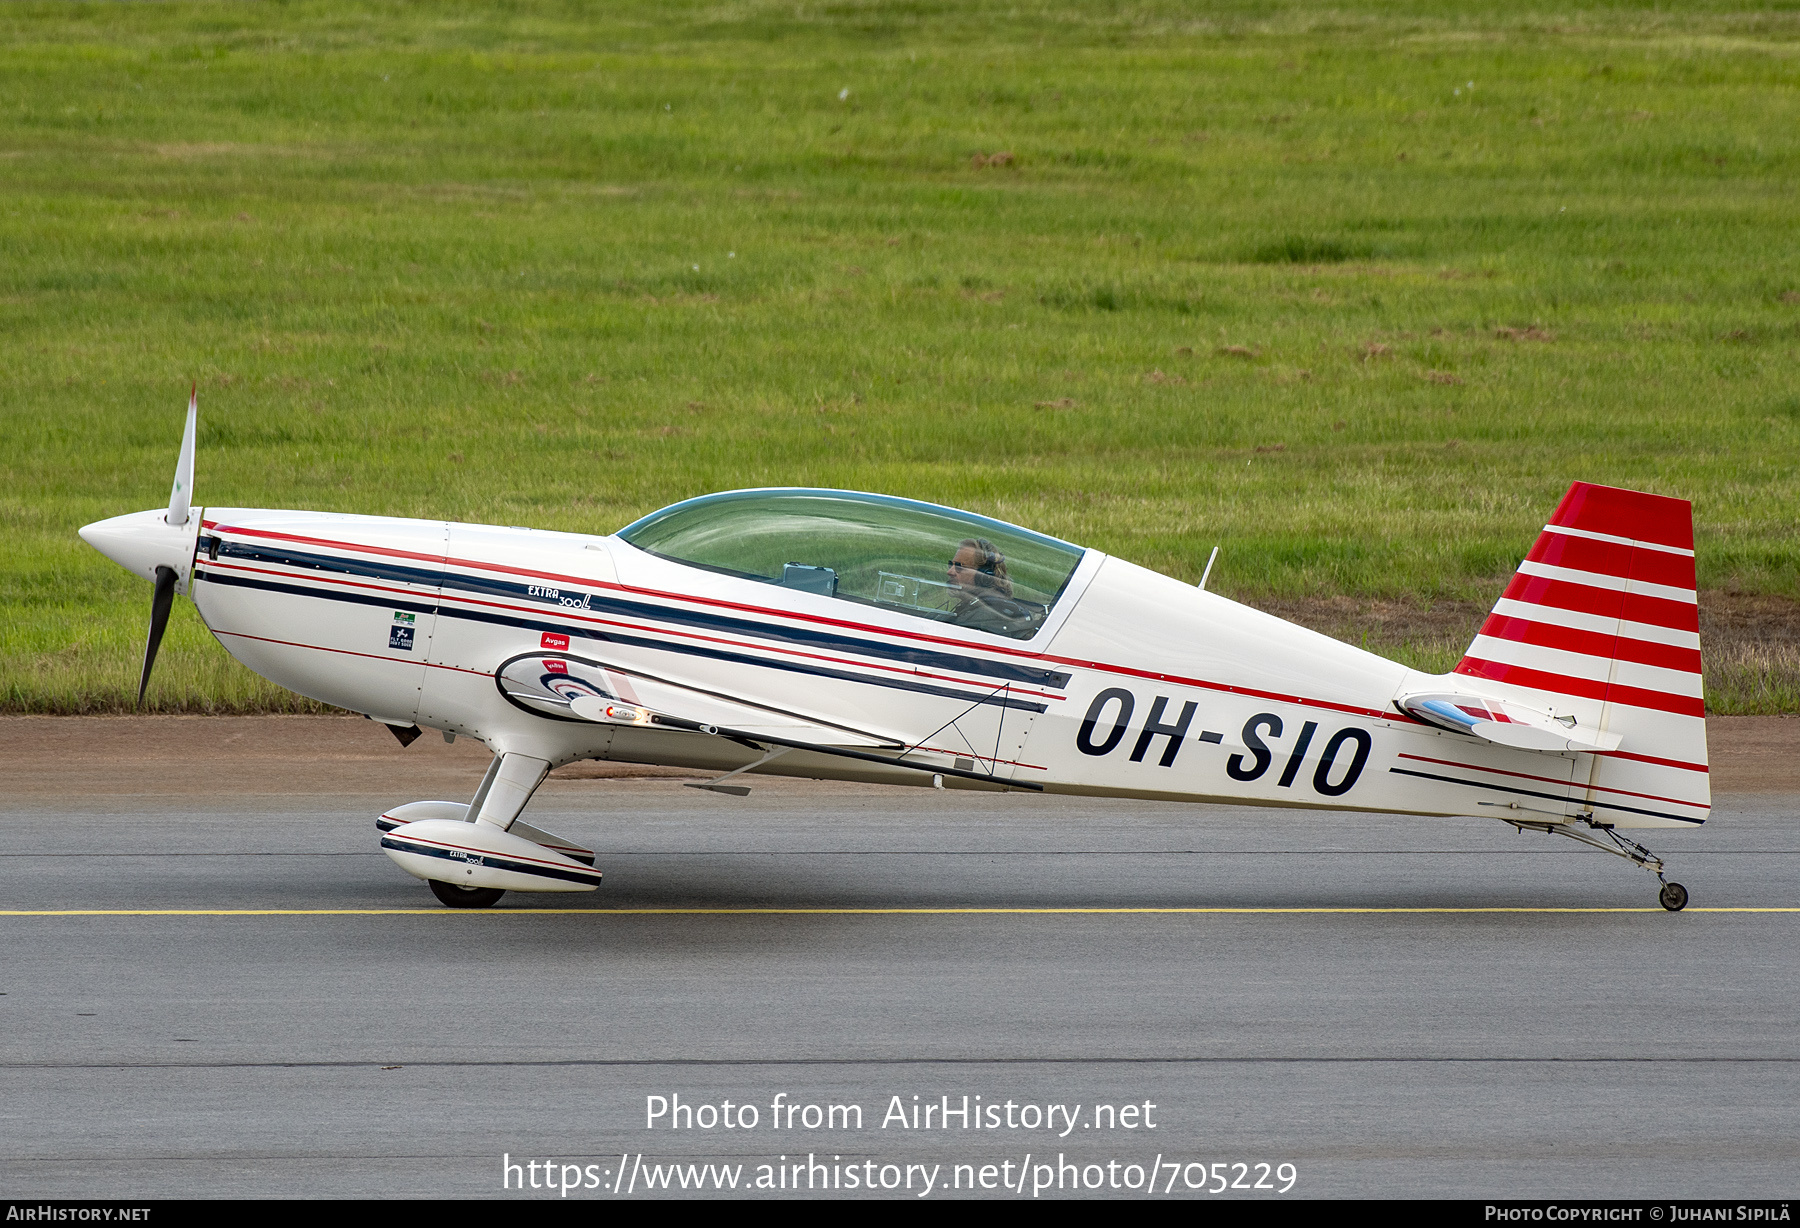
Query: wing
point(569, 687)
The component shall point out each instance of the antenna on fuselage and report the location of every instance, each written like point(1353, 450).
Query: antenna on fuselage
point(1210, 560)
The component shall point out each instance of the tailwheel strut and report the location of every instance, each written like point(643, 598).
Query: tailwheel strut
point(1673, 896)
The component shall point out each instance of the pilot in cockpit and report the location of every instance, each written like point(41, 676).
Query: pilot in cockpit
point(977, 574)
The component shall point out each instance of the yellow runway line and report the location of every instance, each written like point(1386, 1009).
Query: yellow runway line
point(827, 911)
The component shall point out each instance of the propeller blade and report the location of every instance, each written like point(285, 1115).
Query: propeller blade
point(181, 493)
point(160, 601)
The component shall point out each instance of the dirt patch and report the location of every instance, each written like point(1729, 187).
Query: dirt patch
point(1754, 754)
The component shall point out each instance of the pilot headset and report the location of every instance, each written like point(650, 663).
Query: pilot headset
point(993, 566)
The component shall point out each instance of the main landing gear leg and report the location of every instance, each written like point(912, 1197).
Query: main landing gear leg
point(510, 781)
point(1673, 896)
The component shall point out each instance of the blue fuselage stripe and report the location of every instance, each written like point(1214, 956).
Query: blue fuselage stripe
point(998, 698)
point(456, 582)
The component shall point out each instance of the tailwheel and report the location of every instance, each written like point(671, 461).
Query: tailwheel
point(453, 896)
point(1673, 897)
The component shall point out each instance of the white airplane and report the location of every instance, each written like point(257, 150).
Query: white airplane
point(836, 634)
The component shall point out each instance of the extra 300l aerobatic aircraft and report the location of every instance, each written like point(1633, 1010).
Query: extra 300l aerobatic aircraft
point(834, 634)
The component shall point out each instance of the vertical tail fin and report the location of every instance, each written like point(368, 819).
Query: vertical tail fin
point(1601, 624)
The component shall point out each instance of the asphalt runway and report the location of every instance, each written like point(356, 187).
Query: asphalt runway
point(1613, 1050)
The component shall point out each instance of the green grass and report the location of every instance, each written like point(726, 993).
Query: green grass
point(1257, 275)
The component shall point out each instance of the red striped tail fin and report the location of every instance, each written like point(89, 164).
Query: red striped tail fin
point(1601, 624)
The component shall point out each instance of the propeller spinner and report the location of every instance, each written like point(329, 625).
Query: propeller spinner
point(157, 544)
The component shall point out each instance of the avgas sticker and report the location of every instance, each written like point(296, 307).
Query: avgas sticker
point(400, 634)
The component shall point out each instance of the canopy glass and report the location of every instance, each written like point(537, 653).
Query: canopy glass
point(917, 558)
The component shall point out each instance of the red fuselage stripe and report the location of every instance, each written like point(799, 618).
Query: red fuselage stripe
point(1551, 780)
point(1669, 763)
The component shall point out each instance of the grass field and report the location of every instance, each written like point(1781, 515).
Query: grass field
point(1353, 290)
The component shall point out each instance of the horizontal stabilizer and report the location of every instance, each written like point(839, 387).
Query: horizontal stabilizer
point(1507, 724)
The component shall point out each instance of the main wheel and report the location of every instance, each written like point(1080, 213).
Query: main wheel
point(453, 896)
point(1673, 897)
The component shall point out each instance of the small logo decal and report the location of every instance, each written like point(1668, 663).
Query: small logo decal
point(400, 637)
point(553, 639)
point(402, 616)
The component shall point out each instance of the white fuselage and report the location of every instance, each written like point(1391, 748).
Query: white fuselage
point(1136, 685)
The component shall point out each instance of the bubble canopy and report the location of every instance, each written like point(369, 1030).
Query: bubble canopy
point(874, 550)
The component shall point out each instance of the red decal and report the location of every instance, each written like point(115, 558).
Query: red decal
point(1606, 602)
point(1627, 513)
point(1563, 684)
point(553, 640)
point(1582, 554)
point(1610, 559)
point(556, 667)
point(1592, 643)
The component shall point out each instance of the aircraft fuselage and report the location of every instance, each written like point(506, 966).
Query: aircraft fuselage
point(1135, 685)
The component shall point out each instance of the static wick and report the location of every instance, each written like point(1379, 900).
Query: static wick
point(1210, 560)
